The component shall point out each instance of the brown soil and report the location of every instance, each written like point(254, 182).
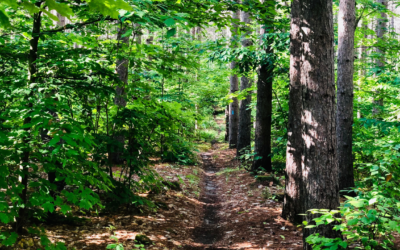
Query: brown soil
point(242, 218)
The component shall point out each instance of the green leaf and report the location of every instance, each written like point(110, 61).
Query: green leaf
point(353, 222)
point(4, 218)
point(140, 13)
point(28, 125)
point(358, 203)
point(85, 204)
point(127, 33)
point(10, 240)
point(343, 244)
point(169, 22)
point(393, 224)
point(171, 32)
point(52, 17)
point(70, 141)
point(4, 20)
point(111, 246)
point(44, 241)
point(65, 209)
point(54, 141)
point(30, 7)
point(48, 207)
point(11, 3)
point(56, 150)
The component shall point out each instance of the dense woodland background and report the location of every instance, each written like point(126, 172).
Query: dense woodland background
point(309, 91)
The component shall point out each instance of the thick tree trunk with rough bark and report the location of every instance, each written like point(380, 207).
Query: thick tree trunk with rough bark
point(244, 136)
point(292, 205)
point(344, 118)
point(311, 164)
point(262, 141)
point(234, 87)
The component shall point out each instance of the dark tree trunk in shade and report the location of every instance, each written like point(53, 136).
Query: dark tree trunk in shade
point(344, 117)
point(262, 146)
point(245, 124)
point(312, 170)
point(244, 135)
point(234, 87)
point(227, 123)
point(262, 142)
point(20, 220)
point(115, 154)
point(292, 205)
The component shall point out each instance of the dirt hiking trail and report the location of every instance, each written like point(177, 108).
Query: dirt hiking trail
point(235, 214)
point(215, 206)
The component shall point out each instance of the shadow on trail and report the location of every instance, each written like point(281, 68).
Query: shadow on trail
point(209, 232)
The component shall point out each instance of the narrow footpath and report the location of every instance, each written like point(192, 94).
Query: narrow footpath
point(236, 213)
point(208, 233)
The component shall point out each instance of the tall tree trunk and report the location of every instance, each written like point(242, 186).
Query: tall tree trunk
point(262, 142)
point(363, 61)
point(312, 103)
point(344, 118)
point(115, 156)
point(292, 204)
point(234, 87)
point(25, 158)
point(381, 29)
point(198, 32)
point(244, 136)
point(227, 123)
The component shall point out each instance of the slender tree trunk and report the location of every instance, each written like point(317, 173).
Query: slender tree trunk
point(227, 123)
point(138, 34)
point(313, 151)
point(121, 68)
point(262, 142)
point(234, 87)
point(381, 29)
point(344, 118)
point(244, 136)
point(115, 156)
point(25, 158)
point(363, 61)
point(198, 32)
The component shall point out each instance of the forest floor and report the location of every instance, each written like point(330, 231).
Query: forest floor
point(219, 206)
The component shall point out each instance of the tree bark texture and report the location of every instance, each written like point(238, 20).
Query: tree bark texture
point(262, 141)
point(292, 205)
point(234, 87)
point(244, 136)
point(312, 169)
point(344, 117)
